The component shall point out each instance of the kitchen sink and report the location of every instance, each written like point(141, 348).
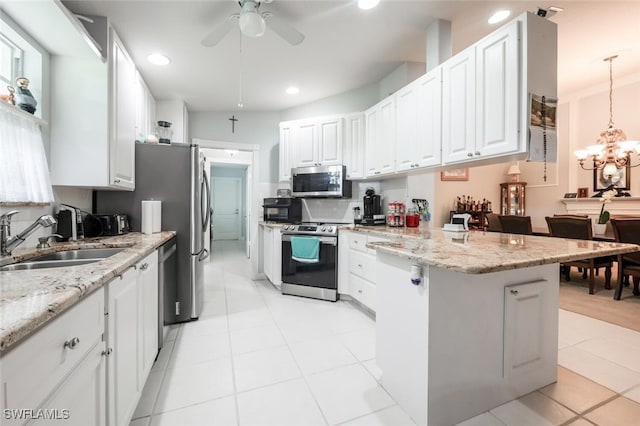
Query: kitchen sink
point(46, 264)
point(61, 259)
point(93, 253)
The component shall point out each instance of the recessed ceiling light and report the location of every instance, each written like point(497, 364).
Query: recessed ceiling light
point(292, 90)
point(499, 16)
point(158, 59)
point(367, 4)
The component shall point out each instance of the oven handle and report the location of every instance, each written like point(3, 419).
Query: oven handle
point(332, 241)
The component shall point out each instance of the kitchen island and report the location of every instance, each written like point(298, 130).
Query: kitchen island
point(468, 321)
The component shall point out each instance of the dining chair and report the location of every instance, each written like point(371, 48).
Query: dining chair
point(515, 224)
point(579, 228)
point(493, 222)
point(627, 230)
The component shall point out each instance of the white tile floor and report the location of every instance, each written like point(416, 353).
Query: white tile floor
point(256, 357)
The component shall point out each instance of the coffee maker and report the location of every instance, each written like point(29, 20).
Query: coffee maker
point(372, 208)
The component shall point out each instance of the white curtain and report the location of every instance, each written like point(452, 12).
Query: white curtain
point(24, 173)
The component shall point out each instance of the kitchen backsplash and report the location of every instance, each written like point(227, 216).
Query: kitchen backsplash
point(77, 197)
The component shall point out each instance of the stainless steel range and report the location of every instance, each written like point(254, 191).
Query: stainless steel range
point(310, 260)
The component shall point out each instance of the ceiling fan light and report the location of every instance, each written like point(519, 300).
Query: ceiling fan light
point(367, 4)
point(292, 90)
point(250, 21)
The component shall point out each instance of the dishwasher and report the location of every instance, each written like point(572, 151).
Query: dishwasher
point(167, 285)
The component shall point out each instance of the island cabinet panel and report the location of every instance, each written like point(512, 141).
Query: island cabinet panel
point(446, 336)
point(523, 327)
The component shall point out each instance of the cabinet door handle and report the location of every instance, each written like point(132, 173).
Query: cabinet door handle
point(478, 153)
point(359, 265)
point(514, 292)
point(108, 352)
point(144, 266)
point(72, 344)
point(360, 291)
point(469, 154)
point(116, 181)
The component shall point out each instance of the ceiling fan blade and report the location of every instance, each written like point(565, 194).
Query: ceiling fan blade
point(218, 33)
point(283, 29)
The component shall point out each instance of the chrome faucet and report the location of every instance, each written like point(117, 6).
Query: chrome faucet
point(7, 242)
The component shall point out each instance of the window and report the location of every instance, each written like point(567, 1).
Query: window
point(11, 60)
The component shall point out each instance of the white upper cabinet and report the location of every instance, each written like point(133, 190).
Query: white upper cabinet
point(285, 151)
point(380, 138)
point(93, 116)
point(459, 107)
point(418, 122)
point(146, 109)
point(330, 141)
point(480, 98)
point(354, 146)
point(305, 144)
point(497, 91)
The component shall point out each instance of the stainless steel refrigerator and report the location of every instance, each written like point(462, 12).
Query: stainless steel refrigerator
point(175, 175)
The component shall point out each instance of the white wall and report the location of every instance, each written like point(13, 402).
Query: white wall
point(257, 128)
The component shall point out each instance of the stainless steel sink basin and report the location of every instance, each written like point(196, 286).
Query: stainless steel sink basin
point(46, 264)
point(94, 253)
point(61, 259)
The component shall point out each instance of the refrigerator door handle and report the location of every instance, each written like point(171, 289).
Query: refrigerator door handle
point(206, 214)
point(204, 254)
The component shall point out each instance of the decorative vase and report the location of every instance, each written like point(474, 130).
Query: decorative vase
point(23, 97)
point(599, 228)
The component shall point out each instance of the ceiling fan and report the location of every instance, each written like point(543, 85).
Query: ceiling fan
point(252, 24)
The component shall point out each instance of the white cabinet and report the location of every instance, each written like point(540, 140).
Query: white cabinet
point(354, 150)
point(272, 254)
point(61, 367)
point(524, 308)
point(145, 109)
point(357, 267)
point(380, 138)
point(459, 107)
point(318, 142)
point(132, 332)
point(497, 97)
point(148, 311)
point(93, 116)
point(123, 382)
point(123, 111)
point(418, 122)
point(480, 98)
point(285, 151)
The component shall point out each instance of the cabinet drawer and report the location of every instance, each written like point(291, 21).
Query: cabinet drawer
point(32, 370)
point(374, 239)
point(363, 265)
point(363, 291)
point(358, 241)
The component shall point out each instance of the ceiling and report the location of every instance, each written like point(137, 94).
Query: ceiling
point(345, 47)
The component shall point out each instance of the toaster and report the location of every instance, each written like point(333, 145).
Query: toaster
point(114, 224)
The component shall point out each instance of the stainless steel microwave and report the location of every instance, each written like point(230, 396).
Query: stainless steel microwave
point(320, 182)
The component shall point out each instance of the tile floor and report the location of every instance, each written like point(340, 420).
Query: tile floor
point(256, 357)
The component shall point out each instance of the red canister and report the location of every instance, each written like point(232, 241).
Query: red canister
point(412, 219)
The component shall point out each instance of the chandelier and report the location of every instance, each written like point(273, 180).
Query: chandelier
point(612, 150)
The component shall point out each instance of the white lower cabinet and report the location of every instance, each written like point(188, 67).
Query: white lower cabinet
point(131, 336)
point(272, 254)
point(82, 369)
point(357, 267)
point(59, 369)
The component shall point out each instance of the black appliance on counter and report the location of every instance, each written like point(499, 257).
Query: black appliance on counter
point(283, 210)
point(114, 224)
point(372, 209)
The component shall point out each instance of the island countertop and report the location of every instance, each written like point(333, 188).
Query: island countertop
point(31, 298)
point(480, 252)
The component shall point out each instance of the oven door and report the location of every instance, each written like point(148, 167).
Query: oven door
point(323, 274)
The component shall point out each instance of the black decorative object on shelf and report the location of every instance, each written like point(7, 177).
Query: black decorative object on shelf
point(24, 98)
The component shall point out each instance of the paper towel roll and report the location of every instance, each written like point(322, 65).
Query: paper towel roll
point(157, 216)
point(146, 225)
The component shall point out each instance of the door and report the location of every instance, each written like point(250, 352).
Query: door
point(226, 208)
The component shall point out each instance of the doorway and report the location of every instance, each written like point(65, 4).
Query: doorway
point(228, 202)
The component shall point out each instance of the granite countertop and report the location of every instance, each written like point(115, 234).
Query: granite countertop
point(479, 252)
point(273, 224)
point(31, 298)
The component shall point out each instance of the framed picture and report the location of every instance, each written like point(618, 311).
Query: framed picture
point(583, 192)
point(570, 195)
point(455, 174)
point(619, 180)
